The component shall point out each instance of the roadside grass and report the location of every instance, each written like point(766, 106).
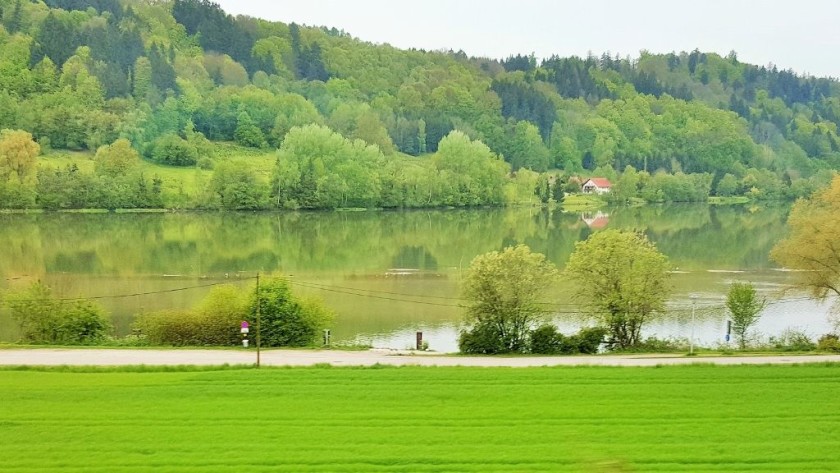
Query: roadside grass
point(410, 419)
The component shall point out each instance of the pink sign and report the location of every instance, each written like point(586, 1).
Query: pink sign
point(244, 324)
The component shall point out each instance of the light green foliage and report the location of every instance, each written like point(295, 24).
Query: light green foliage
point(191, 420)
point(81, 78)
point(17, 155)
point(627, 186)
point(504, 290)
point(117, 159)
point(294, 111)
point(238, 187)
point(727, 186)
point(44, 319)
point(623, 279)
point(286, 319)
point(678, 187)
point(811, 247)
point(15, 75)
point(317, 168)
point(546, 340)
point(247, 134)
point(359, 121)
point(214, 321)
point(173, 150)
point(745, 309)
point(469, 171)
point(526, 149)
point(225, 71)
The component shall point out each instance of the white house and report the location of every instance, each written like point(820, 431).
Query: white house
point(596, 185)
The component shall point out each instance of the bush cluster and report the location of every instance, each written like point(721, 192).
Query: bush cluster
point(793, 340)
point(44, 319)
point(189, 328)
point(286, 320)
point(829, 342)
point(546, 340)
point(485, 339)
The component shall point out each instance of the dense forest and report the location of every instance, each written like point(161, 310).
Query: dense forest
point(102, 100)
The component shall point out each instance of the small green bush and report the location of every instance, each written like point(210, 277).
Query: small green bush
point(483, 339)
point(173, 150)
point(43, 319)
point(546, 340)
point(829, 342)
point(659, 345)
point(215, 321)
point(588, 341)
point(792, 340)
point(205, 163)
point(287, 320)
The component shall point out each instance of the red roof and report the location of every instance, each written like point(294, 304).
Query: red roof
point(601, 182)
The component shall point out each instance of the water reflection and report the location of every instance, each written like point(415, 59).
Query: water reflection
point(384, 273)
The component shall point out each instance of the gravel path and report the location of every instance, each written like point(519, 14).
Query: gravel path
point(112, 357)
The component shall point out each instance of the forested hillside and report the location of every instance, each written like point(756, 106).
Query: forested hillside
point(101, 100)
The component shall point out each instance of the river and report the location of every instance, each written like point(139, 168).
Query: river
point(389, 274)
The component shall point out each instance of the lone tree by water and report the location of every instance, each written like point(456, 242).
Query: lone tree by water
point(504, 289)
point(623, 280)
point(745, 308)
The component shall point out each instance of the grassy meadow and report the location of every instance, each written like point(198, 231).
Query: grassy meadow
point(696, 418)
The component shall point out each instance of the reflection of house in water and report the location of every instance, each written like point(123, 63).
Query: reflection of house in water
point(596, 220)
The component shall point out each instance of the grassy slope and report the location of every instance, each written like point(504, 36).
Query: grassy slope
point(703, 418)
point(183, 185)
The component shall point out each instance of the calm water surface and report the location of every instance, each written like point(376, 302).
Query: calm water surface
point(390, 274)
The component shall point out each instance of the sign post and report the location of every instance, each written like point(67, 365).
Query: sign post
point(244, 331)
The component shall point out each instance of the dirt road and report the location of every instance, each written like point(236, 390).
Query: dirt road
point(114, 357)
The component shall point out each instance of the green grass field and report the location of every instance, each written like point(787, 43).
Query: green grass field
point(696, 418)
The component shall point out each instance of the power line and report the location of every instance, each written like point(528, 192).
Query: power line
point(569, 308)
point(136, 294)
point(373, 296)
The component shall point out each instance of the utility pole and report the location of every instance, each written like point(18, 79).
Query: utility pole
point(258, 319)
point(690, 342)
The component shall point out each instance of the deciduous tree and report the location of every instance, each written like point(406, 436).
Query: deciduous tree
point(286, 320)
point(18, 153)
point(813, 247)
point(117, 159)
point(745, 308)
point(623, 279)
point(504, 289)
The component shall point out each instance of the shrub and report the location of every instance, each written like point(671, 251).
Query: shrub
point(483, 339)
point(588, 340)
point(45, 320)
point(173, 150)
point(659, 345)
point(546, 340)
point(792, 340)
point(286, 319)
point(206, 163)
point(215, 321)
point(829, 342)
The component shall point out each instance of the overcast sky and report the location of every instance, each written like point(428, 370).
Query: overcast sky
point(803, 35)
